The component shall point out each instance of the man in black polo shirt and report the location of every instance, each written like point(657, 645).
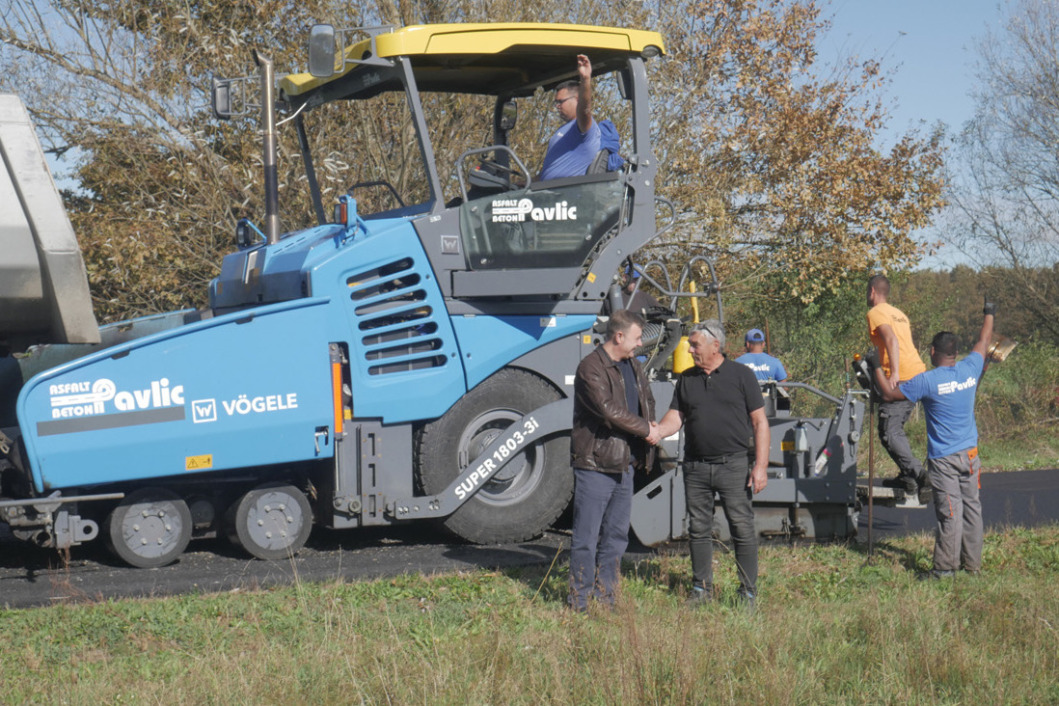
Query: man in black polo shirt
point(721, 405)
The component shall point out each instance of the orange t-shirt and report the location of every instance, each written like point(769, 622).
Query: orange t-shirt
point(908, 357)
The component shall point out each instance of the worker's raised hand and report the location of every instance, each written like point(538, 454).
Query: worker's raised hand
point(584, 67)
point(990, 307)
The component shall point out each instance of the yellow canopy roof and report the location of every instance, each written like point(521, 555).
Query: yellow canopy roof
point(491, 58)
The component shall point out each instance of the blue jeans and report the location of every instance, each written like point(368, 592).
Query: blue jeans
point(602, 507)
point(729, 480)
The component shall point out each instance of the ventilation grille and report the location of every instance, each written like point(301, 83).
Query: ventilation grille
point(400, 330)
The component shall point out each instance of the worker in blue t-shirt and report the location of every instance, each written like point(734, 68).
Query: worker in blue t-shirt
point(765, 366)
point(947, 392)
point(575, 145)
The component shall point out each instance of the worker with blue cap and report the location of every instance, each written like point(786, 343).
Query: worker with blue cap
point(765, 366)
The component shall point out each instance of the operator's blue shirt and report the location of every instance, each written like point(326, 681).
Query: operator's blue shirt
point(569, 152)
point(765, 366)
point(948, 400)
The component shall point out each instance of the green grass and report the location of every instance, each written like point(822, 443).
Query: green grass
point(829, 628)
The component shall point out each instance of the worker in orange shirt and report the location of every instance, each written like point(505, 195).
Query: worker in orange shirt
point(891, 334)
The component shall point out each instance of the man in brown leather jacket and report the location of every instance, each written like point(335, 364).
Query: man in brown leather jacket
point(613, 433)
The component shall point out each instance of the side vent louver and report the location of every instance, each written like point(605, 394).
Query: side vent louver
point(400, 329)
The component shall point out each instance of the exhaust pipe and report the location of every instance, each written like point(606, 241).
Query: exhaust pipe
point(268, 129)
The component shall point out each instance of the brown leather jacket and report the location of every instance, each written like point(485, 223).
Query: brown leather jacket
point(605, 433)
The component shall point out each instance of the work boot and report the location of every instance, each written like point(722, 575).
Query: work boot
point(745, 598)
point(701, 594)
point(905, 482)
point(936, 575)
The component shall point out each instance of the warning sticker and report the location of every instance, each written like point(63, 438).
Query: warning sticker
point(198, 463)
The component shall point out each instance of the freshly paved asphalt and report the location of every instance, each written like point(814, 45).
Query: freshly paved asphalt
point(1025, 498)
point(34, 577)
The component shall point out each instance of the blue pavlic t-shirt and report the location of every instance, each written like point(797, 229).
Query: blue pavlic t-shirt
point(948, 396)
point(765, 366)
point(569, 152)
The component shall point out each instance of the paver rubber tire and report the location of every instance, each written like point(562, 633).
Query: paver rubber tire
point(526, 495)
point(150, 527)
point(270, 522)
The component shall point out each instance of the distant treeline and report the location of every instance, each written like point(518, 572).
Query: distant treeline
point(951, 300)
point(814, 339)
point(1020, 397)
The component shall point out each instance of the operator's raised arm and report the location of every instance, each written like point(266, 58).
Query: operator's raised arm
point(584, 93)
point(720, 404)
point(576, 143)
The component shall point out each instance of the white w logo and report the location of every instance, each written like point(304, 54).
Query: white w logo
point(204, 411)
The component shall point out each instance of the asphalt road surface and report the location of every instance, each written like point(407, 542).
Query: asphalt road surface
point(34, 577)
point(1026, 498)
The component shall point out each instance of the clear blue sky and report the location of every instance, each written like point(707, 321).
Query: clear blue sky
point(928, 47)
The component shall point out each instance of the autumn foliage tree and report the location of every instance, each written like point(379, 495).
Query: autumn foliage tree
point(772, 154)
point(123, 86)
point(767, 156)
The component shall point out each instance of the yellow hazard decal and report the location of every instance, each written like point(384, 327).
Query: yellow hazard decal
point(787, 445)
point(198, 463)
point(587, 340)
point(591, 277)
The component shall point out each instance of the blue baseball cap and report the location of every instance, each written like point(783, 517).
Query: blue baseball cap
point(754, 335)
point(631, 271)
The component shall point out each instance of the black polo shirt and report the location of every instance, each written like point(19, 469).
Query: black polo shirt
point(716, 409)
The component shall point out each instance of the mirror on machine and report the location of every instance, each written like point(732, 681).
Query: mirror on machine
point(506, 115)
point(233, 97)
point(322, 51)
point(222, 99)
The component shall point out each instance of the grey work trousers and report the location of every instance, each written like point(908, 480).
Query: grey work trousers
point(729, 480)
point(956, 480)
point(892, 418)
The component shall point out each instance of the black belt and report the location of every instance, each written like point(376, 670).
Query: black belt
point(714, 459)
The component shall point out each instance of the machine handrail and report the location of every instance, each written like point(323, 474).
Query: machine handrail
point(803, 386)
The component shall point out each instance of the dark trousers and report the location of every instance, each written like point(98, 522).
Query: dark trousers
point(729, 480)
point(892, 418)
point(602, 507)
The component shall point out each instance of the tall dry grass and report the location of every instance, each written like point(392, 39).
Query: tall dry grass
point(829, 628)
